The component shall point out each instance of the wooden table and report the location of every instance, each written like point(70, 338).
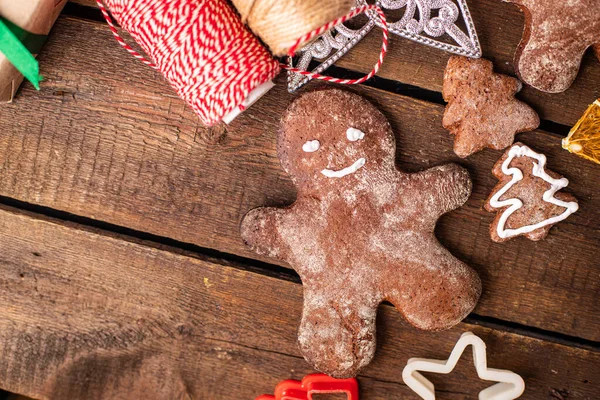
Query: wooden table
point(123, 274)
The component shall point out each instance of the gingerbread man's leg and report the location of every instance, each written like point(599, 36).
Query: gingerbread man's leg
point(337, 332)
point(436, 291)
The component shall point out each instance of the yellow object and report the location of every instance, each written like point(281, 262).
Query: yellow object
point(584, 138)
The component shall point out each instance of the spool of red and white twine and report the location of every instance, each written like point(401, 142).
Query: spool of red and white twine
point(211, 59)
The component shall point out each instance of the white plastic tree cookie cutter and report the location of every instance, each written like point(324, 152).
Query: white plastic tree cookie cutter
point(510, 385)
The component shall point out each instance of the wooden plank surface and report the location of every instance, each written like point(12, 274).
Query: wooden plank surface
point(87, 315)
point(499, 27)
point(107, 139)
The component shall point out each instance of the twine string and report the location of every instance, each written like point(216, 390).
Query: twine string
point(279, 23)
point(213, 70)
point(319, 31)
point(122, 42)
point(201, 47)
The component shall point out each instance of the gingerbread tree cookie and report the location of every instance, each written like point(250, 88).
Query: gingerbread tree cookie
point(527, 198)
point(482, 110)
point(557, 34)
point(360, 231)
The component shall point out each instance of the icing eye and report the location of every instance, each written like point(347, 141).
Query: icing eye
point(354, 134)
point(311, 146)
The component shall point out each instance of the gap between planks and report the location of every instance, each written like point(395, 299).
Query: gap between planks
point(252, 265)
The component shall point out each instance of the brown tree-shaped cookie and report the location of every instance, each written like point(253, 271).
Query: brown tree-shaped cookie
point(482, 110)
point(557, 34)
point(360, 231)
point(527, 198)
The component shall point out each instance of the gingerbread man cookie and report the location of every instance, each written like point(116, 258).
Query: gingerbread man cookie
point(557, 34)
point(482, 110)
point(526, 198)
point(360, 231)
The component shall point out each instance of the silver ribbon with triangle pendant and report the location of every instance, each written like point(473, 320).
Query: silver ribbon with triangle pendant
point(428, 22)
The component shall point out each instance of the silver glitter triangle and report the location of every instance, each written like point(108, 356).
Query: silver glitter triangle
point(418, 23)
point(340, 38)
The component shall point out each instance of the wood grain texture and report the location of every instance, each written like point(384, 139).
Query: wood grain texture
point(106, 138)
point(85, 316)
point(499, 27)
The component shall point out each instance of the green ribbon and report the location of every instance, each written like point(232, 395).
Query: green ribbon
point(18, 46)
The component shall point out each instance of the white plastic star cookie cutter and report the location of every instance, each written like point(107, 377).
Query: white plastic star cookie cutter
point(510, 385)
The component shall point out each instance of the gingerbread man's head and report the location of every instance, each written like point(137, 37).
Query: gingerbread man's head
point(333, 137)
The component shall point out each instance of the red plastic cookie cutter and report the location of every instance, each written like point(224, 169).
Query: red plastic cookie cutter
point(312, 384)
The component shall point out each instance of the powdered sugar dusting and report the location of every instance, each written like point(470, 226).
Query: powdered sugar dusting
point(560, 32)
point(363, 238)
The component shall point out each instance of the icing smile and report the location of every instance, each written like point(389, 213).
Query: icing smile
point(346, 171)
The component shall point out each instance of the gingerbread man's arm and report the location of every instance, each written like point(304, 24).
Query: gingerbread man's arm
point(260, 230)
point(441, 189)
